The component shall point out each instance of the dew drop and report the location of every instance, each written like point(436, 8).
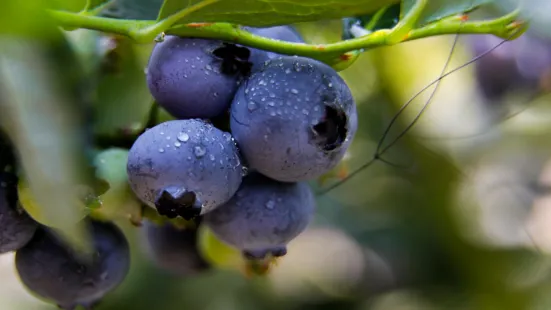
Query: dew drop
point(199, 151)
point(227, 136)
point(251, 105)
point(270, 204)
point(272, 113)
point(294, 91)
point(211, 157)
point(271, 103)
point(209, 67)
point(304, 111)
point(287, 71)
point(183, 137)
point(168, 137)
point(161, 150)
point(177, 144)
point(161, 133)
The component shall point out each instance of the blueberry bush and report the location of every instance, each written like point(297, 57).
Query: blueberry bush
point(263, 154)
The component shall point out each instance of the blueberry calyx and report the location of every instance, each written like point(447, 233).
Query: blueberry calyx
point(179, 203)
point(261, 254)
point(330, 132)
point(235, 59)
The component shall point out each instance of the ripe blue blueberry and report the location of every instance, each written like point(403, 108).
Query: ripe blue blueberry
point(17, 227)
point(53, 271)
point(184, 168)
point(196, 78)
point(294, 119)
point(282, 33)
point(263, 216)
point(174, 250)
point(520, 65)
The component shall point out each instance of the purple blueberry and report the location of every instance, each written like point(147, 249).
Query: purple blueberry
point(184, 168)
point(294, 119)
point(281, 33)
point(196, 78)
point(174, 250)
point(17, 227)
point(51, 270)
point(263, 216)
point(523, 64)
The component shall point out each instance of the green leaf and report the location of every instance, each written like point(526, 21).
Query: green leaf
point(123, 98)
point(269, 12)
point(133, 9)
point(90, 4)
point(41, 117)
point(438, 9)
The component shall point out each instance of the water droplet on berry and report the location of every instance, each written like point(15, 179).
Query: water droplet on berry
point(251, 105)
point(199, 151)
point(183, 137)
point(270, 204)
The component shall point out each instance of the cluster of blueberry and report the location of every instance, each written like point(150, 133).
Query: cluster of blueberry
point(252, 128)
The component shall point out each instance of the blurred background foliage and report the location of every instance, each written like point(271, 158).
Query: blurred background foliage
point(459, 220)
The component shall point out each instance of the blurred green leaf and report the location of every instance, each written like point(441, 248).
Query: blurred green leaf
point(91, 4)
point(123, 99)
point(68, 5)
point(119, 201)
point(39, 116)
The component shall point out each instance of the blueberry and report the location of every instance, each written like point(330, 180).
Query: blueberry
point(282, 33)
point(521, 65)
point(174, 250)
point(184, 168)
point(294, 119)
point(53, 271)
point(17, 226)
point(263, 216)
point(196, 78)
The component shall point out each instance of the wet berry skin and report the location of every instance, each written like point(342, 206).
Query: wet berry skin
point(184, 168)
point(16, 226)
point(283, 33)
point(263, 216)
point(48, 268)
point(173, 249)
point(194, 77)
point(294, 119)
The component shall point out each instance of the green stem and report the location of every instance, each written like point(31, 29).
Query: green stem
point(404, 27)
point(123, 27)
point(149, 33)
point(146, 31)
